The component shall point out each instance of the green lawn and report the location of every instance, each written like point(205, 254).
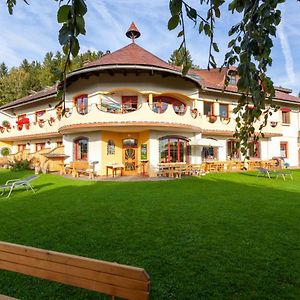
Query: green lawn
point(222, 236)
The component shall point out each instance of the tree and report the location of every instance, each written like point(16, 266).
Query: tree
point(180, 57)
point(3, 69)
point(249, 48)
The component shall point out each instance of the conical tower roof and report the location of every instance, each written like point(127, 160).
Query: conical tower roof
point(131, 54)
point(132, 32)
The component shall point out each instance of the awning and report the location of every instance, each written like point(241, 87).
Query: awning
point(206, 142)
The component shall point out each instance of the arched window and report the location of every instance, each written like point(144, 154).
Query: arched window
point(81, 149)
point(81, 103)
point(160, 105)
point(111, 147)
point(174, 149)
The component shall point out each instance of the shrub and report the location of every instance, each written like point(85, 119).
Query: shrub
point(5, 151)
point(20, 165)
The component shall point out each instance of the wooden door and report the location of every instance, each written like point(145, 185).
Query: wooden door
point(130, 160)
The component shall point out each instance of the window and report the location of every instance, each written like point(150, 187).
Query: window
point(129, 103)
point(209, 153)
point(130, 143)
point(224, 110)
point(39, 114)
point(81, 149)
point(174, 149)
point(254, 150)
point(208, 108)
point(21, 147)
point(284, 149)
point(39, 146)
point(111, 147)
point(286, 119)
point(20, 117)
point(59, 144)
point(81, 103)
point(160, 105)
point(232, 77)
point(232, 150)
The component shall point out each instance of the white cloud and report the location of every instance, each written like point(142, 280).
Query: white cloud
point(286, 50)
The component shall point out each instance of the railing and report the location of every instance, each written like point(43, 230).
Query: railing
point(42, 127)
point(144, 116)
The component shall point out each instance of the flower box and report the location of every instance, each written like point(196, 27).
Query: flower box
point(212, 119)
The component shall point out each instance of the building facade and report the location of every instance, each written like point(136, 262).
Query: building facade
point(132, 108)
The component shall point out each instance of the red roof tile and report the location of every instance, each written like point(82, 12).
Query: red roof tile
point(131, 54)
point(214, 79)
point(27, 99)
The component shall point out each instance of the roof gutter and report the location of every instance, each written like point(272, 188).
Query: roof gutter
point(29, 102)
point(238, 94)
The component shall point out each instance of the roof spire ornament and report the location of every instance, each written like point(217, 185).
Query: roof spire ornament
point(133, 33)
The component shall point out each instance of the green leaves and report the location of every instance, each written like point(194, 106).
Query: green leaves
point(63, 13)
point(72, 18)
point(173, 22)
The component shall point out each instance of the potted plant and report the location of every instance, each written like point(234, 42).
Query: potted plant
point(23, 121)
point(273, 124)
point(194, 113)
point(212, 118)
point(6, 124)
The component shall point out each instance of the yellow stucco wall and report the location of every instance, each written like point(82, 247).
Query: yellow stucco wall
point(117, 137)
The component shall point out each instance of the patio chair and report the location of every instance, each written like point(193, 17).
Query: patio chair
point(266, 172)
point(14, 183)
point(284, 174)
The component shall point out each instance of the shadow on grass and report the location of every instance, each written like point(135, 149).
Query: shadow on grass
point(214, 237)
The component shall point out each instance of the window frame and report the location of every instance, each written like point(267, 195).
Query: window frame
point(212, 108)
point(36, 117)
point(20, 117)
point(186, 149)
point(129, 103)
point(227, 110)
point(233, 150)
point(257, 152)
point(76, 145)
point(84, 109)
point(41, 145)
point(286, 149)
point(286, 117)
point(111, 147)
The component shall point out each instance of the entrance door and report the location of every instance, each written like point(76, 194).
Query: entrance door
point(130, 154)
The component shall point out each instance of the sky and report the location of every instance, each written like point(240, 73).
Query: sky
point(32, 31)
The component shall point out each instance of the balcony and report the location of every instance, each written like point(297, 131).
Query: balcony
point(226, 126)
point(26, 130)
point(142, 118)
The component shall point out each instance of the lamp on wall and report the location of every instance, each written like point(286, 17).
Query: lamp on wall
point(28, 143)
point(48, 142)
point(49, 105)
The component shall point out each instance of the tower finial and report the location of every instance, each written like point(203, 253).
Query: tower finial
point(132, 32)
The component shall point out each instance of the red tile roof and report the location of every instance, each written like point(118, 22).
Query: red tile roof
point(50, 91)
point(131, 54)
point(214, 79)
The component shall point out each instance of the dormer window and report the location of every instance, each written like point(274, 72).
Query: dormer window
point(232, 77)
point(81, 103)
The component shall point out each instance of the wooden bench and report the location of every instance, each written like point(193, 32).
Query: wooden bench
point(104, 277)
point(81, 167)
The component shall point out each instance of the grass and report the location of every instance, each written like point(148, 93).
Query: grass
point(223, 236)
